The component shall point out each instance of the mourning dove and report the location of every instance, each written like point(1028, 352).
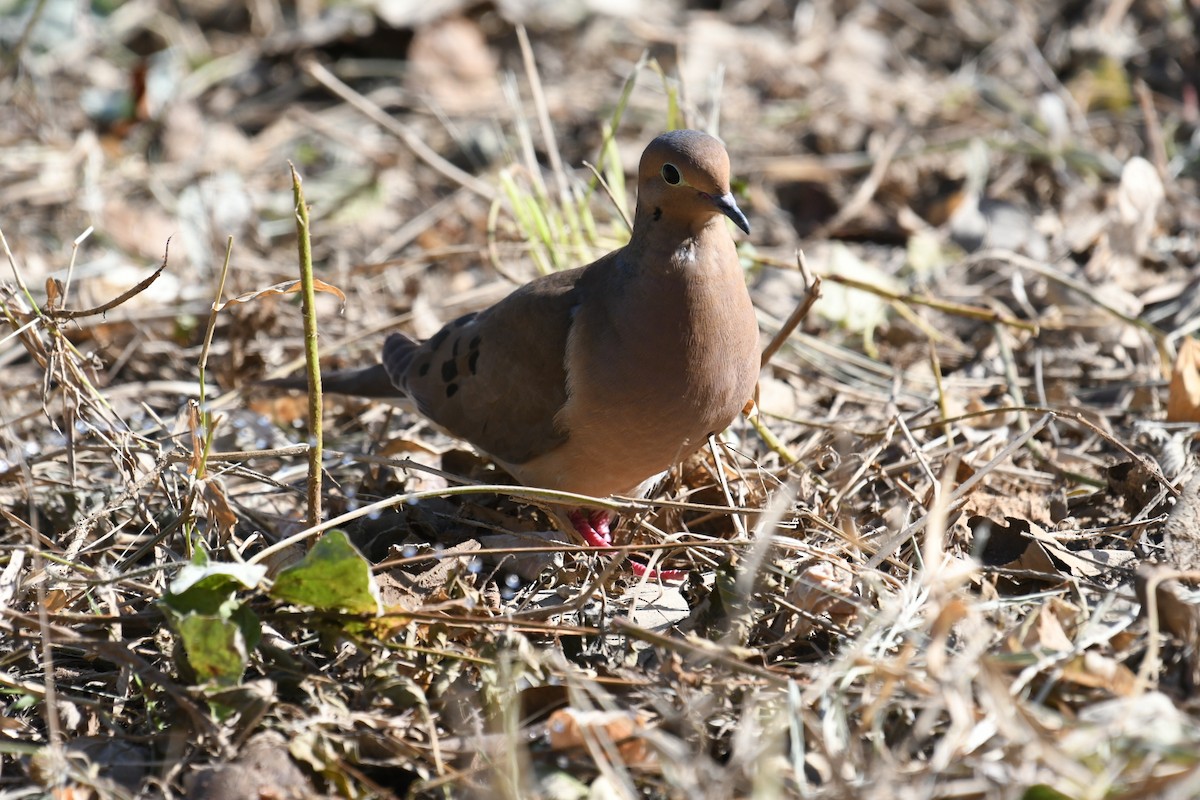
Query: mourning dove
point(596, 380)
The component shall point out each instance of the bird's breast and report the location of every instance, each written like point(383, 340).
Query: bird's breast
point(652, 372)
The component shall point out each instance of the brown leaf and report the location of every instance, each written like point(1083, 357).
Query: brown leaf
point(196, 462)
point(218, 505)
point(54, 292)
point(1035, 558)
point(1183, 396)
point(1177, 615)
point(445, 566)
point(1050, 633)
point(287, 287)
point(264, 768)
point(1133, 482)
point(1009, 546)
point(825, 588)
point(1097, 671)
point(571, 729)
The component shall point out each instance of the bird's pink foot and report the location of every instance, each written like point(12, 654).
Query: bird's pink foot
point(594, 527)
point(641, 569)
point(596, 532)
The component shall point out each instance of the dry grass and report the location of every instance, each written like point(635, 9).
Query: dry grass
point(950, 561)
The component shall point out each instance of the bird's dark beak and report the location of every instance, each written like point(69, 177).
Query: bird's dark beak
point(728, 206)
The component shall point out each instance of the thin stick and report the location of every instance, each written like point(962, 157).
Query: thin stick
point(1062, 279)
point(866, 190)
point(812, 294)
point(398, 129)
point(205, 413)
point(1154, 133)
point(611, 195)
point(143, 285)
point(71, 265)
point(958, 309)
point(311, 356)
point(754, 417)
point(543, 114)
point(518, 492)
point(12, 262)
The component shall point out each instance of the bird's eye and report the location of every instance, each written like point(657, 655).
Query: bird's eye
point(671, 174)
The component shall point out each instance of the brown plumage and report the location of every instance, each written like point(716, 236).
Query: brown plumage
point(597, 379)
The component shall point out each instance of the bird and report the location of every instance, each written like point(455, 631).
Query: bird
point(596, 380)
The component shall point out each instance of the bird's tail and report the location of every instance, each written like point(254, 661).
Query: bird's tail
point(372, 381)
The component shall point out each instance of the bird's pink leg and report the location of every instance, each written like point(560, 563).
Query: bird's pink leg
point(600, 521)
point(641, 569)
point(594, 528)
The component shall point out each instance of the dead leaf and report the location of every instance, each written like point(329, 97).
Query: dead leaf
point(1035, 558)
point(1133, 482)
point(1131, 221)
point(54, 292)
point(447, 564)
point(1183, 396)
point(72, 792)
point(571, 729)
point(825, 588)
point(1178, 615)
point(1076, 563)
point(1008, 546)
point(218, 505)
point(1178, 612)
point(196, 462)
point(396, 595)
point(263, 768)
point(1050, 633)
point(1097, 671)
point(1019, 503)
point(287, 287)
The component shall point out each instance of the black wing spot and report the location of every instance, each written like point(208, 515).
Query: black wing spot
point(438, 338)
point(423, 370)
point(473, 361)
point(451, 389)
point(449, 370)
point(454, 350)
point(474, 343)
point(657, 214)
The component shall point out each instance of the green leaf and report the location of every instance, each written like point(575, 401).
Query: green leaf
point(215, 647)
point(207, 587)
point(214, 573)
point(333, 575)
point(1041, 791)
point(247, 622)
point(217, 600)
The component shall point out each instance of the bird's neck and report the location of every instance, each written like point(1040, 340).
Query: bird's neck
point(668, 242)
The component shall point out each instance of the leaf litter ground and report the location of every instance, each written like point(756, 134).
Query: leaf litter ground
point(951, 556)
